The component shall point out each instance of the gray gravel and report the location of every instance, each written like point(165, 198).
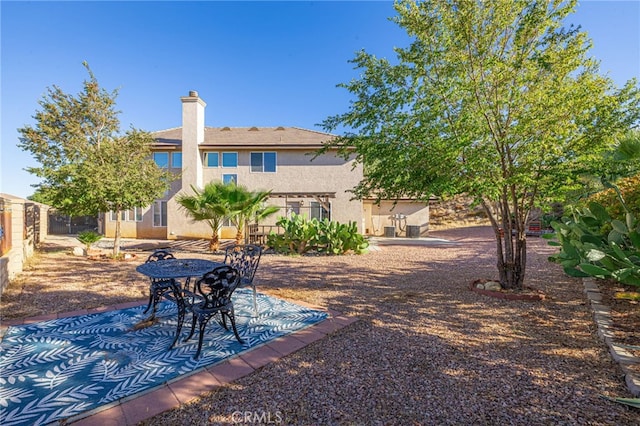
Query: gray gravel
point(426, 350)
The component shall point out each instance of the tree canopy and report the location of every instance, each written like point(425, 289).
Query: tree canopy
point(495, 99)
point(86, 164)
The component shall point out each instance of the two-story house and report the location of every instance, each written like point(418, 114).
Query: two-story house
point(276, 159)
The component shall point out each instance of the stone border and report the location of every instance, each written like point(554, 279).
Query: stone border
point(602, 317)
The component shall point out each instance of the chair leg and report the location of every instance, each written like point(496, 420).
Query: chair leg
point(232, 317)
point(203, 325)
point(193, 327)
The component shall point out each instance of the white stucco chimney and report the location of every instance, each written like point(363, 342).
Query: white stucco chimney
point(192, 136)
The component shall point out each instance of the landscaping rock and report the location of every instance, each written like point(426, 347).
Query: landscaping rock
point(492, 286)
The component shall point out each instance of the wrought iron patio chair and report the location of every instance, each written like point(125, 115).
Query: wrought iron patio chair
point(158, 287)
point(245, 258)
point(212, 296)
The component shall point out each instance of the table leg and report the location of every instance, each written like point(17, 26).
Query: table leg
point(177, 293)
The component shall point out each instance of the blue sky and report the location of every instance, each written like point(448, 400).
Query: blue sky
point(254, 63)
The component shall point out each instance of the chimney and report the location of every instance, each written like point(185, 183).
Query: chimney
point(192, 136)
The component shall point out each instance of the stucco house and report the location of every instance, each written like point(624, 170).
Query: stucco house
point(276, 159)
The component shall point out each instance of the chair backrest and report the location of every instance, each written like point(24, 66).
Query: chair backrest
point(160, 255)
point(217, 286)
point(245, 258)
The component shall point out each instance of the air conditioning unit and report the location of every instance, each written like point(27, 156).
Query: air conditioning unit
point(389, 231)
point(413, 231)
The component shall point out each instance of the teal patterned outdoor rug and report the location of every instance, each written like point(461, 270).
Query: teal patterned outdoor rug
point(54, 370)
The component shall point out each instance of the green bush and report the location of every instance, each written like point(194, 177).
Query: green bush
point(88, 238)
point(301, 236)
point(592, 243)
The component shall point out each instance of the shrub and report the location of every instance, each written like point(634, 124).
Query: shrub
point(592, 243)
point(88, 238)
point(301, 236)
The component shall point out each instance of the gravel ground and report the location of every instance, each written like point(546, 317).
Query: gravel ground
point(424, 351)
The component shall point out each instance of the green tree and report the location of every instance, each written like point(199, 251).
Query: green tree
point(245, 205)
point(209, 205)
point(85, 163)
point(492, 98)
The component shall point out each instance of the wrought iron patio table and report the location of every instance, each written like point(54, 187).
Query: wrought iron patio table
point(172, 270)
point(177, 268)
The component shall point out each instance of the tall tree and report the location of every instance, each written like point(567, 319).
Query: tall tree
point(86, 164)
point(492, 98)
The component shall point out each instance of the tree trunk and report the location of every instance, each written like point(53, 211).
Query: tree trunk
point(511, 245)
point(240, 225)
point(116, 240)
point(214, 242)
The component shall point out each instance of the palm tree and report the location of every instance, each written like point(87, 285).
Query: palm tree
point(245, 205)
point(209, 205)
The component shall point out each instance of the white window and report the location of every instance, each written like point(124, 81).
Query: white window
point(114, 216)
point(263, 162)
point(229, 178)
point(211, 159)
point(160, 213)
point(176, 160)
point(293, 207)
point(132, 215)
point(161, 159)
point(135, 214)
point(229, 159)
point(316, 210)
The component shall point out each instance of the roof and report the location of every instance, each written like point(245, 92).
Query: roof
point(248, 137)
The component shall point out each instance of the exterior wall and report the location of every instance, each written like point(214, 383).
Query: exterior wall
point(181, 226)
point(133, 229)
point(295, 173)
point(377, 217)
point(28, 228)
